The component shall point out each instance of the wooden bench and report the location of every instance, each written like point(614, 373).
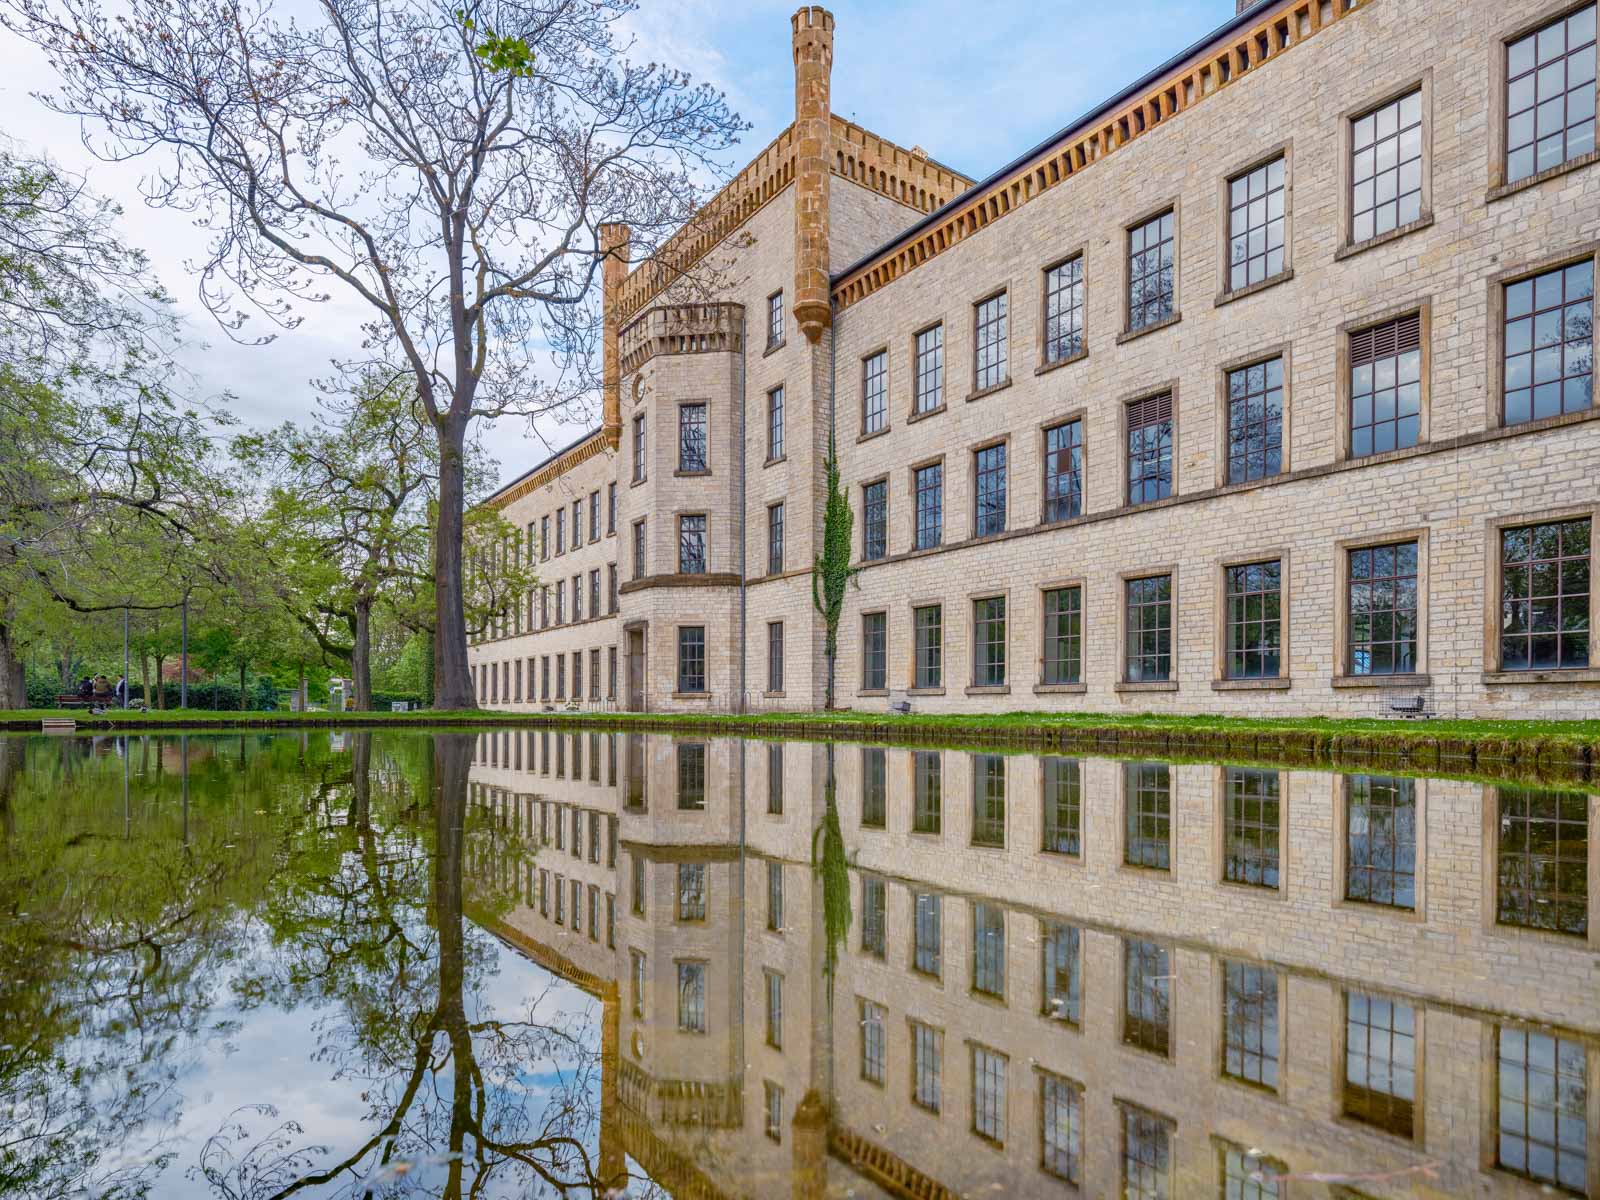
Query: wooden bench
point(71, 700)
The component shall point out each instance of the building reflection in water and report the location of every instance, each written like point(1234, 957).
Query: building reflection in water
point(1136, 978)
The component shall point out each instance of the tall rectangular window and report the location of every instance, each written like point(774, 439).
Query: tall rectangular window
point(775, 515)
point(1255, 225)
point(1550, 95)
point(989, 949)
point(875, 392)
point(1251, 815)
point(775, 656)
point(774, 990)
point(1386, 168)
point(611, 589)
point(1247, 1174)
point(989, 1093)
point(1062, 801)
point(930, 369)
point(638, 549)
point(691, 658)
point(1380, 1062)
point(927, 946)
point(594, 516)
point(1549, 343)
point(872, 1041)
point(1148, 626)
point(927, 791)
point(1386, 386)
point(930, 505)
point(874, 652)
point(638, 449)
point(692, 437)
point(692, 997)
point(874, 788)
point(594, 592)
point(1544, 596)
point(692, 544)
point(637, 977)
point(1150, 449)
point(1254, 614)
point(1542, 860)
point(989, 642)
point(988, 800)
point(1063, 635)
point(1063, 311)
point(1061, 1136)
point(927, 1066)
point(989, 486)
point(875, 520)
point(561, 531)
point(1250, 1023)
point(544, 539)
point(1147, 841)
point(1063, 471)
point(577, 523)
point(1063, 983)
point(1147, 996)
point(772, 1110)
point(928, 631)
point(989, 342)
point(775, 424)
point(691, 891)
point(1151, 271)
point(1255, 421)
point(611, 508)
point(1146, 1155)
point(874, 916)
point(1542, 1107)
point(775, 779)
point(774, 319)
point(1381, 840)
point(1383, 610)
point(691, 763)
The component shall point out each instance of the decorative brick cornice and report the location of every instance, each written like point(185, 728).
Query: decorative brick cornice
point(705, 579)
point(596, 443)
point(1224, 60)
point(884, 1167)
point(681, 329)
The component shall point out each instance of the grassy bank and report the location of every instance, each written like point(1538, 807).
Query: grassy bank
point(1564, 749)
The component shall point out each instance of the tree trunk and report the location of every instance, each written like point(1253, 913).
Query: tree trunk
point(427, 667)
point(452, 680)
point(161, 684)
point(361, 655)
point(13, 678)
point(144, 677)
point(304, 697)
point(242, 666)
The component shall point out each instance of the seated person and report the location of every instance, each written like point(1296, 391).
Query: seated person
point(102, 686)
point(85, 688)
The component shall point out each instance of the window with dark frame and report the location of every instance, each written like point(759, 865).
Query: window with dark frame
point(927, 1066)
point(775, 779)
point(1542, 1107)
point(1550, 95)
point(927, 945)
point(1063, 471)
point(638, 549)
point(1063, 310)
point(1544, 596)
point(1549, 343)
point(927, 791)
point(928, 631)
point(874, 788)
point(989, 642)
point(692, 544)
point(1380, 1063)
point(875, 392)
point(691, 891)
point(989, 949)
point(989, 1094)
point(561, 530)
point(989, 800)
point(774, 319)
point(872, 1041)
point(638, 449)
point(1147, 996)
point(1063, 636)
point(1061, 1134)
point(1247, 1174)
point(1254, 615)
point(775, 424)
point(775, 656)
point(1256, 225)
point(989, 342)
point(929, 481)
point(1386, 168)
point(929, 385)
point(874, 916)
point(875, 520)
point(611, 508)
point(692, 438)
point(1147, 814)
point(774, 996)
point(1150, 447)
point(1148, 622)
point(989, 477)
point(544, 539)
point(1061, 781)
point(611, 589)
point(1146, 1154)
point(1151, 271)
point(1251, 815)
point(594, 515)
point(691, 996)
point(772, 1110)
point(1386, 386)
point(1250, 1023)
point(1062, 990)
point(1255, 421)
point(874, 651)
point(691, 764)
point(691, 658)
point(1383, 610)
point(1542, 860)
point(775, 539)
point(1381, 840)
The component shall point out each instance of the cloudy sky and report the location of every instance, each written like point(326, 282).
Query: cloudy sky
point(974, 85)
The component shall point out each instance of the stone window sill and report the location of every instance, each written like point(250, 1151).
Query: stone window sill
point(1046, 367)
point(1060, 689)
point(682, 474)
point(1383, 911)
point(1568, 675)
point(914, 417)
point(925, 691)
point(1382, 681)
point(774, 347)
point(1501, 191)
point(1128, 335)
point(1349, 250)
point(980, 393)
point(772, 462)
point(873, 692)
point(986, 690)
point(691, 695)
point(1153, 685)
point(1278, 684)
point(1252, 289)
point(772, 695)
point(876, 433)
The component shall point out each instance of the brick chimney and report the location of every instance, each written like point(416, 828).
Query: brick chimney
point(813, 68)
point(615, 245)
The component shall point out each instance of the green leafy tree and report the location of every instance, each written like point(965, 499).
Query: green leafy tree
point(833, 573)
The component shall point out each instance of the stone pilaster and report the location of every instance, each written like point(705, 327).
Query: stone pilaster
point(813, 67)
point(614, 246)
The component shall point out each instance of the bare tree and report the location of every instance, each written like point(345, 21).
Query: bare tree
point(458, 194)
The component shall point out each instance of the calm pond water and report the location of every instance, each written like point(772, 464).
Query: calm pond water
point(539, 963)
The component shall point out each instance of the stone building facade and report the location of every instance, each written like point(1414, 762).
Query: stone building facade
point(1282, 405)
